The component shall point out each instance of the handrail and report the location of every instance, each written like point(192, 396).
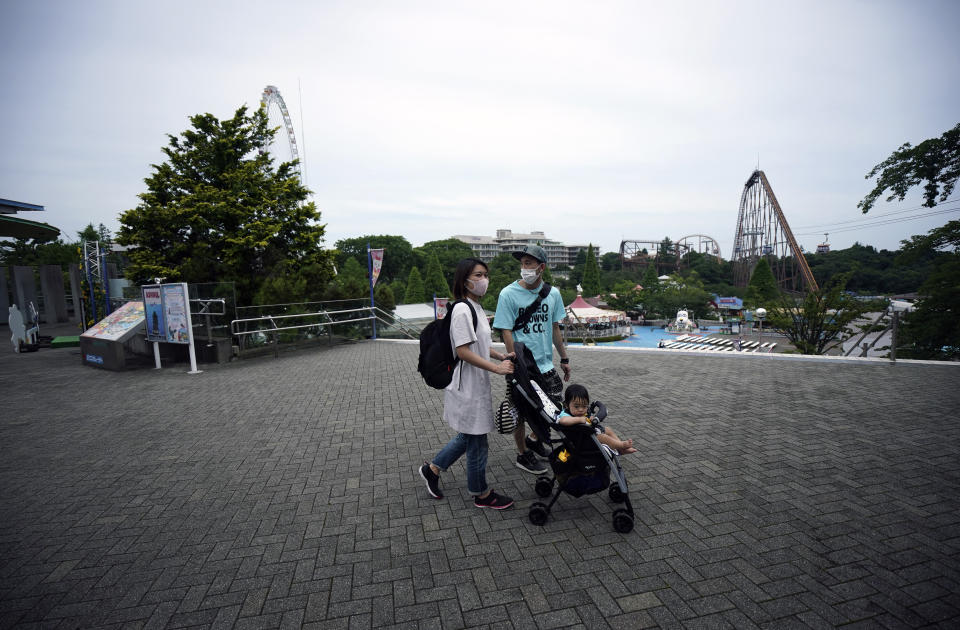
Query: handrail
point(398, 322)
point(272, 324)
point(272, 317)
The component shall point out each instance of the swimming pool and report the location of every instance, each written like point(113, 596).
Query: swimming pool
point(647, 337)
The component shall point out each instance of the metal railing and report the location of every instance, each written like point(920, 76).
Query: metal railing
point(272, 328)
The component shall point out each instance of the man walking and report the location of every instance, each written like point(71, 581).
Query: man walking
point(538, 328)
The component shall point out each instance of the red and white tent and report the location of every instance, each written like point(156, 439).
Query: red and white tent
point(591, 314)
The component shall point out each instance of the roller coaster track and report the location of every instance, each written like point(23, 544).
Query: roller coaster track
point(763, 231)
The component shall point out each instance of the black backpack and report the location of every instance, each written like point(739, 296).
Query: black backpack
point(437, 358)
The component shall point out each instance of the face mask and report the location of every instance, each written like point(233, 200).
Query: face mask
point(478, 287)
point(529, 275)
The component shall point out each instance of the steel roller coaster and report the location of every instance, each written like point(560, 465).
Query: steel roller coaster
point(762, 232)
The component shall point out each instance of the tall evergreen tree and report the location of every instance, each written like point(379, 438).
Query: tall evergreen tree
point(762, 288)
point(434, 283)
point(650, 277)
point(219, 210)
point(591, 273)
point(415, 289)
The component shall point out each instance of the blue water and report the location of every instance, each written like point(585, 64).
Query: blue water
point(646, 337)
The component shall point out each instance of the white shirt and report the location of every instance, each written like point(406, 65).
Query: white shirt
point(467, 403)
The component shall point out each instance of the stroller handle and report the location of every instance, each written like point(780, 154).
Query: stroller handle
point(597, 410)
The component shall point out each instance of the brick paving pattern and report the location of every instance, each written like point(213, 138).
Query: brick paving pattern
point(283, 493)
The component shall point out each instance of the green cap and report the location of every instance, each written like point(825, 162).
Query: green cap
point(534, 251)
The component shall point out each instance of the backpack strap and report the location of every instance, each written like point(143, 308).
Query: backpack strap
point(472, 312)
point(524, 317)
point(476, 322)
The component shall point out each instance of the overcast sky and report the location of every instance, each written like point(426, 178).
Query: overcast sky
point(591, 121)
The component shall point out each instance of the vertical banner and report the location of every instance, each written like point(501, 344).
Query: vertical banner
point(153, 312)
point(376, 258)
point(370, 276)
point(440, 307)
point(176, 313)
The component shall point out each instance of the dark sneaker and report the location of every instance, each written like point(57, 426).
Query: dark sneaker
point(493, 500)
point(537, 447)
point(529, 463)
point(432, 479)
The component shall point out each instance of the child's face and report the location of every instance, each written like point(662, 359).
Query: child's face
point(578, 407)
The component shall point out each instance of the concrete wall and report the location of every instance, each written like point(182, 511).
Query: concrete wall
point(4, 295)
point(54, 297)
point(24, 289)
point(75, 296)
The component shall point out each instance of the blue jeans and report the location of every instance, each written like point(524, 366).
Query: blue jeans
point(475, 446)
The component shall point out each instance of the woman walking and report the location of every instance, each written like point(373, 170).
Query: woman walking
point(467, 402)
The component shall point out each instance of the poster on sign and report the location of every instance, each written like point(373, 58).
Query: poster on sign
point(153, 312)
point(175, 313)
point(440, 307)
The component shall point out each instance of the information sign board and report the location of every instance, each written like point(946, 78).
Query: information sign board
point(153, 312)
point(176, 313)
point(119, 325)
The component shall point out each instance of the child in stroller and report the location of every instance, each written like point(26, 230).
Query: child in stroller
point(581, 464)
point(576, 404)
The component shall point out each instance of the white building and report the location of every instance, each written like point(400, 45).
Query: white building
point(486, 248)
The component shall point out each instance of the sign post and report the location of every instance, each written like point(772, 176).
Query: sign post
point(374, 262)
point(167, 315)
point(153, 318)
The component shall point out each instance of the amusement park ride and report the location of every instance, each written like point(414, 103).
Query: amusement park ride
point(666, 254)
point(271, 96)
point(762, 231)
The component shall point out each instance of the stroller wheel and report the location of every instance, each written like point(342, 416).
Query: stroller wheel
point(615, 493)
point(538, 513)
point(544, 487)
point(622, 521)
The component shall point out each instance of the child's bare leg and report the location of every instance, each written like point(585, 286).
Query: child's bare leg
point(624, 447)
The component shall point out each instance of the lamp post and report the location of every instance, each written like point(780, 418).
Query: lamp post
point(760, 313)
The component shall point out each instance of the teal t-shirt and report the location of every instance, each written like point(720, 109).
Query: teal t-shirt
point(538, 333)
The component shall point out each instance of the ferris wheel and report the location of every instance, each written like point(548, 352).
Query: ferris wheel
point(272, 95)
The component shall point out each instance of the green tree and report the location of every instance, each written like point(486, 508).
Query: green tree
point(352, 281)
point(627, 297)
point(935, 161)
point(434, 283)
point(398, 255)
point(100, 233)
point(650, 280)
point(384, 297)
point(610, 261)
point(504, 269)
point(33, 252)
point(448, 251)
point(218, 210)
point(415, 289)
point(591, 273)
point(819, 320)
point(932, 329)
point(762, 288)
point(576, 276)
point(398, 287)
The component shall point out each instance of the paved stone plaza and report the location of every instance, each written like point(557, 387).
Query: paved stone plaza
point(769, 492)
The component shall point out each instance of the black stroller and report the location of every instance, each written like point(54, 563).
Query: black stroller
point(580, 463)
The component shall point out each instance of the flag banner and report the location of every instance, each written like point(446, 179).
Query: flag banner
point(376, 255)
point(440, 307)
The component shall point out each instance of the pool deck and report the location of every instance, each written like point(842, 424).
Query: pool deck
point(770, 491)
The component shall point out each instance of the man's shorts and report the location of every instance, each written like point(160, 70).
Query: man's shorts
point(553, 385)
